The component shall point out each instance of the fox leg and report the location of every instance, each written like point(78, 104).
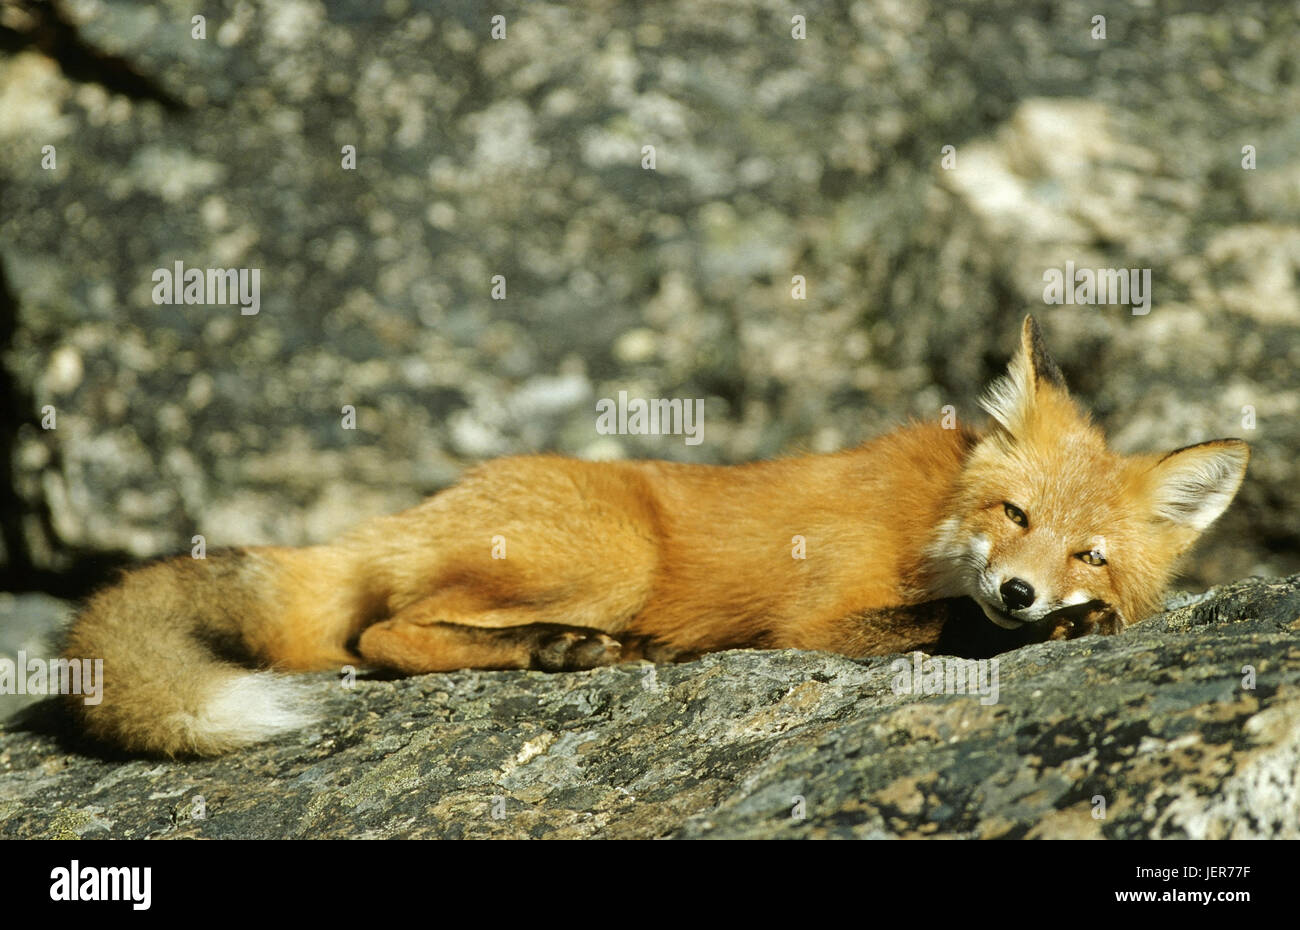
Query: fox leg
point(439, 635)
point(413, 648)
point(878, 631)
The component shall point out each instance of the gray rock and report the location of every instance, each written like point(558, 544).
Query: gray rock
point(1155, 728)
point(522, 157)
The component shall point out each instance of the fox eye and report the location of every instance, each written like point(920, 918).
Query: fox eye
point(1092, 557)
point(1015, 514)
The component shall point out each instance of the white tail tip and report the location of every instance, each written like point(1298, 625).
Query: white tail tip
point(242, 709)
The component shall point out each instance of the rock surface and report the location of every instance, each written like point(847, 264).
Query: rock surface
point(1155, 728)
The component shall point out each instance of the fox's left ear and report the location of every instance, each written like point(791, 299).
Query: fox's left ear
point(1193, 486)
point(1010, 398)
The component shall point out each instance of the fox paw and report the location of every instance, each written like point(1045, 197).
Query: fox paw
point(1101, 622)
point(574, 650)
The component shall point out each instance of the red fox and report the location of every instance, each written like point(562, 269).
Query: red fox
point(552, 563)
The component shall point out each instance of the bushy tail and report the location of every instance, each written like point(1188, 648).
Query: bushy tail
point(181, 641)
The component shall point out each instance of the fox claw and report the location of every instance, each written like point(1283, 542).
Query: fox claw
point(573, 650)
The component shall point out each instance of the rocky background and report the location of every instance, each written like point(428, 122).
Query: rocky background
point(522, 157)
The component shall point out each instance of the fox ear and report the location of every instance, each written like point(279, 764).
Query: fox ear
point(1194, 485)
point(1039, 362)
point(1010, 398)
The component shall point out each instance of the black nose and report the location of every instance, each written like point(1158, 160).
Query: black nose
point(1017, 594)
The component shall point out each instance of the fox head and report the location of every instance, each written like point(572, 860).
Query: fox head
point(1051, 526)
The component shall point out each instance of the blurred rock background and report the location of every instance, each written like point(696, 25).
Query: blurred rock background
point(522, 157)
